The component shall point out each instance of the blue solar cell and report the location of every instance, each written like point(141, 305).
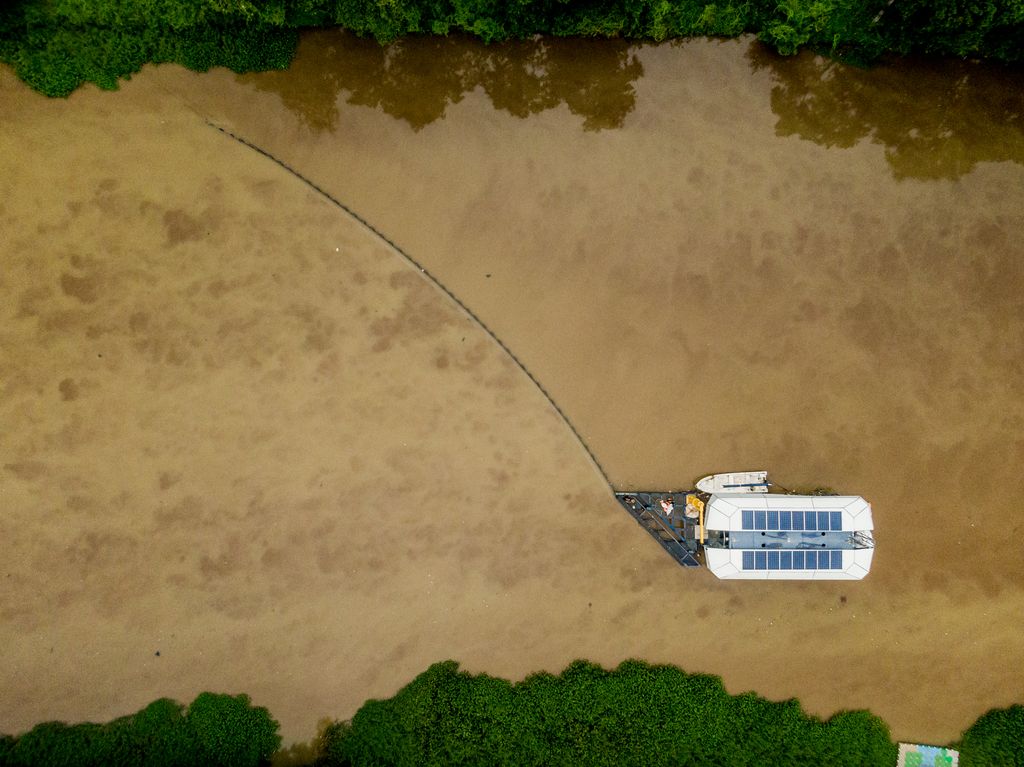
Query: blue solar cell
point(785, 560)
point(837, 559)
point(760, 523)
point(760, 560)
point(798, 560)
point(810, 521)
point(773, 520)
point(798, 520)
point(773, 560)
point(785, 520)
point(824, 563)
point(748, 520)
point(748, 559)
point(837, 520)
point(823, 520)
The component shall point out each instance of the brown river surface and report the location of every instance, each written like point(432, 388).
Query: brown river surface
point(247, 447)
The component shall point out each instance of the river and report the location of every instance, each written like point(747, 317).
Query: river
point(712, 259)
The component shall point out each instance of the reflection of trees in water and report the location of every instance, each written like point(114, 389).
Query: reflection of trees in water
point(936, 119)
point(416, 78)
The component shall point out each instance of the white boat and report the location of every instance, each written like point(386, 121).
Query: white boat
point(741, 531)
point(736, 482)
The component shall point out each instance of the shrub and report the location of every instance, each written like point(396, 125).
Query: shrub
point(638, 714)
point(216, 730)
point(56, 45)
point(995, 740)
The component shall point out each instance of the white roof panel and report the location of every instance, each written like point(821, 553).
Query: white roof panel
point(724, 511)
point(727, 564)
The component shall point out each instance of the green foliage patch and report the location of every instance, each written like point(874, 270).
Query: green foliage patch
point(995, 740)
point(637, 714)
point(215, 730)
point(56, 45)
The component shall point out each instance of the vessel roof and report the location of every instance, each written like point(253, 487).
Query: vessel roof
point(748, 511)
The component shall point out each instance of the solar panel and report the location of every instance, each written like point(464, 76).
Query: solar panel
point(810, 559)
point(792, 520)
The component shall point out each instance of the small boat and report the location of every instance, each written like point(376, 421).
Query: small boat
point(735, 528)
point(736, 482)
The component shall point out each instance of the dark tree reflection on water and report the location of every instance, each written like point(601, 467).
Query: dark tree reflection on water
point(415, 79)
point(937, 119)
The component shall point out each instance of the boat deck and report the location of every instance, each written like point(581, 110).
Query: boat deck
point(677, 533)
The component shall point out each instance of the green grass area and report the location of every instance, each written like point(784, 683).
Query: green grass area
point(56, 45)
point(637, 714)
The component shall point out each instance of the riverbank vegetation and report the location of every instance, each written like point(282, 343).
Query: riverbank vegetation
point(637, 714)
point(56, 45)
point(216, 730)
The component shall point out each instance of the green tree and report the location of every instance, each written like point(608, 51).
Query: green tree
point(995, 740)
point(57, 744)
point(230, 732)
point(638, 714)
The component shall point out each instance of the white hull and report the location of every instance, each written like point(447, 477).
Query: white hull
point(736, 482)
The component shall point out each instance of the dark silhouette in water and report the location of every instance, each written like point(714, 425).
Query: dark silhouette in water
point(416, 78)
point(937, 119)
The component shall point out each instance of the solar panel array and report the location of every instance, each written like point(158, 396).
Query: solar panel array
point(792, 520)
point(808, 559)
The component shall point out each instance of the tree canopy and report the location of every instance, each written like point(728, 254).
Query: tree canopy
point(56, 45)
point(214, 730)
point(637, 714)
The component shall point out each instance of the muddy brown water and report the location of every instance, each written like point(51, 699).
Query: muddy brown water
point(242, 431)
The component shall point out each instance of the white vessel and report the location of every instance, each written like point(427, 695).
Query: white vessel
point(740, 530)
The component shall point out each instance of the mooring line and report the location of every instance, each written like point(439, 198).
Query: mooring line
point(435, 281)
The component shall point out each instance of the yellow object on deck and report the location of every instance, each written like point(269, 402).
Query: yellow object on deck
point(699, 505)
point(692, 501)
